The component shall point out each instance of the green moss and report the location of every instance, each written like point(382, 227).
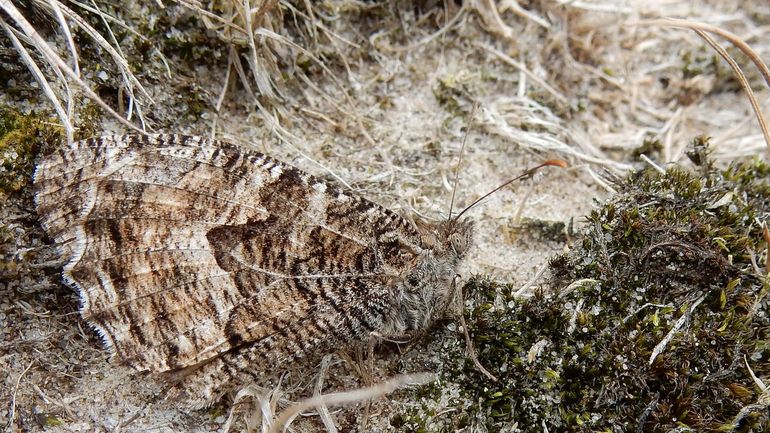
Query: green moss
point(450, 90)
point(52, 421)
point(21, 138)
point(651, 147)
point(670, 255)
point(556, 231)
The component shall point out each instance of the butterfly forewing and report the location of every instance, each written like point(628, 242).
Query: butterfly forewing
point(185, 249)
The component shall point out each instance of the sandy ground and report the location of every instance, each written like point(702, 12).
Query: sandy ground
point(582, 81)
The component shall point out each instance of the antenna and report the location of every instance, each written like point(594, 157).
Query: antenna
point(460, 161)
point(526, 174)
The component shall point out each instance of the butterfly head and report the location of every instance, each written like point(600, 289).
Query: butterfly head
point(427, 287)
point(448, 239)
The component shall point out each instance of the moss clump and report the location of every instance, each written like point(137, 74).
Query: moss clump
point(676, 258)
point(21, 138)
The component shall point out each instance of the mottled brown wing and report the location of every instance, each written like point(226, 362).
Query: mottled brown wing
point(185, 249)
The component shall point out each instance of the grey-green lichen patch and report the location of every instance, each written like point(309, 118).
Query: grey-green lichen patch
point(655, 320)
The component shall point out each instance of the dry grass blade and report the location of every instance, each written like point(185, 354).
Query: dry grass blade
point(262, 76)
point(744, 83)
point(522, 68)
point(701, 29)
point(355, 396)
point(323, 410)
point(55, 61)
point(67, 34)
point(732, 37)
point(129, 80)
point(766, 235)
point(40, 78)
point(661, 346)
point(73, 53)
point(12, 408)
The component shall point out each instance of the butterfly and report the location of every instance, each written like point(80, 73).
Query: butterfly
point(211, 265)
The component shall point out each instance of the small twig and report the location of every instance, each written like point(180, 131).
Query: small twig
point(521, 290)
point(701, 29)
point(12, 408)
point(523, 68)
point(40, 78)
point(652, 164)
point(355, 396)
point(660, 347)
point(323, 410)
point(766, 235)
point(472, 351)
point(744, 83)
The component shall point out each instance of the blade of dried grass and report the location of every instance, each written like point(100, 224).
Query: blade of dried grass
point(766, 235)
point(701, 29)
point(323, 410)
point(731, 37)
point(355, 396)
point(111, 19)
point(40, 78)
point(73, 53)
point(117, 57)
point(65, 28)
point(12, 408)
point(311, 18)
point(744, 83)
point(56, 61)
point(124, 72)
point(220, 100)
point(235, 60)
point(661, 346)
point(261, 75)
point(523, 68)
point(609, 7)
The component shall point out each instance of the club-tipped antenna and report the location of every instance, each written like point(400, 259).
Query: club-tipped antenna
point(460, 161)
point(526, 174)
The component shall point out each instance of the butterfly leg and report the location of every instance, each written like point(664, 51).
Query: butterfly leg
point(458, 309)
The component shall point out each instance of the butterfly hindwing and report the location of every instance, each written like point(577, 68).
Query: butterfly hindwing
point(194, 254)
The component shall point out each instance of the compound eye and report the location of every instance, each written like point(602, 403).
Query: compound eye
point(459, 244)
